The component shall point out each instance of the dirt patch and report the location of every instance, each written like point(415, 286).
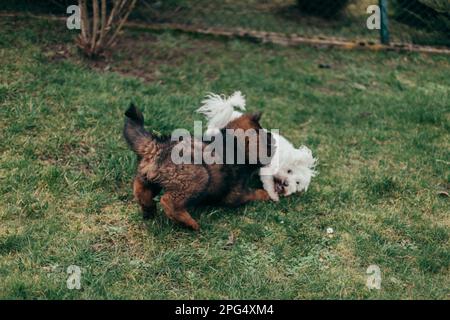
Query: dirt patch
point(294, 14)
point(137, 55)
point(127, 57)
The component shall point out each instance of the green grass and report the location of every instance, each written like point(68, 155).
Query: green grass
point(378, 122)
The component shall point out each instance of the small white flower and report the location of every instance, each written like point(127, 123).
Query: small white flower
point(330, 231)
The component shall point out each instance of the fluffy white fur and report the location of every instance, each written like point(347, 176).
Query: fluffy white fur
point(220, 110)
point(289, 171)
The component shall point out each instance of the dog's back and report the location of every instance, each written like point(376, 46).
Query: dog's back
point(187, 183)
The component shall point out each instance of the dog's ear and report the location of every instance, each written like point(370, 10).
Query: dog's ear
point(256, 116)
point(303, 156)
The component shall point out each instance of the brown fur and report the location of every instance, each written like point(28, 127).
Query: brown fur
point(187, 184)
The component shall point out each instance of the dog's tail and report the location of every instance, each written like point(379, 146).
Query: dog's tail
point(134, 132)
point(218, 110)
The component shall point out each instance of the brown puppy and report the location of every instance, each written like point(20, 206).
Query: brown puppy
point(188, 184)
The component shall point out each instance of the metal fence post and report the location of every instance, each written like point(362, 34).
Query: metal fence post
point(384, 30)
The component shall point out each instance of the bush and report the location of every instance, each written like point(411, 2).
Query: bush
point(324, 8)
point(101, 23)
point(429, 14)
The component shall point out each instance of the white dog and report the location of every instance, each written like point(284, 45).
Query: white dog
point(290, 169)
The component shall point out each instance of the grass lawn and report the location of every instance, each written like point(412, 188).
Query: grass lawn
point(378, 122)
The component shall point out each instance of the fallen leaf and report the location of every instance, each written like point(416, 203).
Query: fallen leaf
point(359, 86)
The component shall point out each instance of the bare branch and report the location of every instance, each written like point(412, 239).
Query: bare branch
point(94, 25)
point(103, 23)
point(128, 11)
point(103, 31)
point(84, 20)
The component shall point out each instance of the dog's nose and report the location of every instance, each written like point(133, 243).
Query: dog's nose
point(285, 183)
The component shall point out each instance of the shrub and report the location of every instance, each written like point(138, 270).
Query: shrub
point(324, 8)
point(101, 24)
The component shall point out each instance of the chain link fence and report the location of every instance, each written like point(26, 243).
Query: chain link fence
point(421, 21)
point(424, 22)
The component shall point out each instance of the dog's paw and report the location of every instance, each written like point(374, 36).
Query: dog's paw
point(262, 195)
point(148, 212)
point(193, 225)
point(274, 196)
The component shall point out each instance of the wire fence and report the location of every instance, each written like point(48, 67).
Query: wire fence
point(424, 22)
point(421, 21)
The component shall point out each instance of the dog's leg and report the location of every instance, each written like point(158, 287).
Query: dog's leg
point(239, 196)
point(173, 206)
point(257, 195)
point(269, 186)
point(144, 194)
